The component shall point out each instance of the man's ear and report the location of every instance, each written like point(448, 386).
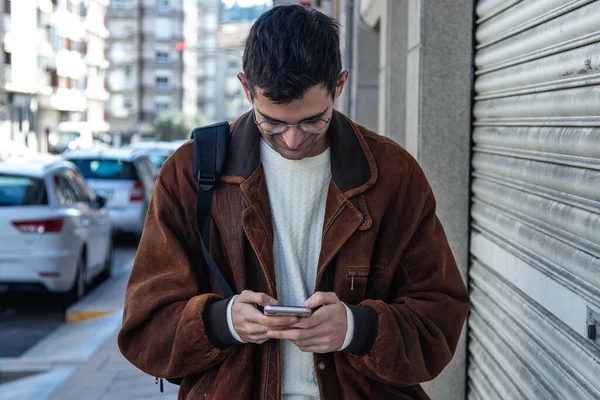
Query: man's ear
point(339, 86)
point(245, 85)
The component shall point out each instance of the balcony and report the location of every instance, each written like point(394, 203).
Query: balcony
point(99, 94)
point(163, 88)
point(96, 26)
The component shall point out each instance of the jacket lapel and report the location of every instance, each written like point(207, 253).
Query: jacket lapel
point(342, 219)
point(258, 224)
point(353, 171)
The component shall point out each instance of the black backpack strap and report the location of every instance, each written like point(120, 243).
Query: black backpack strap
point(210, 152)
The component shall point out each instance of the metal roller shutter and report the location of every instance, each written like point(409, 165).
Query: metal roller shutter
point(535, 241)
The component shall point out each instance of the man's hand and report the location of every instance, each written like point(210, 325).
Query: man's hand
point(251, 324)
point(323, 332)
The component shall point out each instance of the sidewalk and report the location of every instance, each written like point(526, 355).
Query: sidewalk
point(80, 360)
point(108, 376)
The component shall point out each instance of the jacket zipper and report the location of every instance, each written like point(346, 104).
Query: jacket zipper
point(354, 276)
point(268, 370)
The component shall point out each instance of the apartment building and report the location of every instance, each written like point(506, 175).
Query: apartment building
point(97, 65)
point(54, 68)
point(222, 30)
point(152, 51)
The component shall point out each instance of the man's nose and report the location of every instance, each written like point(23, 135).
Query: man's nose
point(293, 137)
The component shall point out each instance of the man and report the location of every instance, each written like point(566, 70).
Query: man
point(312, 210)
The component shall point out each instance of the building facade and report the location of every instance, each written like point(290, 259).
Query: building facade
point(152, 50)
point(221, 37)
point(54, 67)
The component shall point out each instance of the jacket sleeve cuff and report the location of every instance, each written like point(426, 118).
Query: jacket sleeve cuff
point(215, 321)
point(349, 327)
point(366, 326)
point(230, 322)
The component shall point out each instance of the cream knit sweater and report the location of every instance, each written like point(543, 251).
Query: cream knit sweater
point(297, 193)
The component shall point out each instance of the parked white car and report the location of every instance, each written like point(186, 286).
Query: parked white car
point(124, 177)
point(55, 234)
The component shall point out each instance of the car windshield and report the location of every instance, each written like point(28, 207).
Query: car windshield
point(106, 169)
point(64, 138)
point(21, 191)
point(157, 160)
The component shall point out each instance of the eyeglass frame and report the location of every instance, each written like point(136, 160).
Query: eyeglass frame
point(287, 126)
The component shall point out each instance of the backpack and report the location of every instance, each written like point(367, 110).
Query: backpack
point(210, 153)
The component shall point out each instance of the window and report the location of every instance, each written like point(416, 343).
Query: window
point(122, 4)
point(7, 58)
point(128, 104)
point(161, 57)
point(160, 107)
point(65, 193)
point(78, 187)
point(7, 6)
point(128, 71)
point(106, 169)
point(163, 5)
point(21, 191)
point(128, 30)
point(162, 83)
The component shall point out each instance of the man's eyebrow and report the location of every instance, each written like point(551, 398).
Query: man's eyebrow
point(319, 115)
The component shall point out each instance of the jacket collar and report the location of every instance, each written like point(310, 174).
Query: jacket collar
point(353, 167)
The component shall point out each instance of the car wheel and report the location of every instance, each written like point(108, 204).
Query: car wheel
point(108, 263)
point(79, 288)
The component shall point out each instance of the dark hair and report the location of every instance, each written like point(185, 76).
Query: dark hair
point(291, 49)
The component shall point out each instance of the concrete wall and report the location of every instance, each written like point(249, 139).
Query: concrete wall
point(365, 74)
point(438, 132)
point(392, 69)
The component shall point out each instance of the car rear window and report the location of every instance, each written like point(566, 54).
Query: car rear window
point(106, 169)
point(157, 160)
point(22, 191)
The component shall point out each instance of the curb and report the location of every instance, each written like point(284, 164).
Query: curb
point(86, 315)
point(106, 299)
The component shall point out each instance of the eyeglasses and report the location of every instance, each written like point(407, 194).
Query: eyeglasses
point(308, 126)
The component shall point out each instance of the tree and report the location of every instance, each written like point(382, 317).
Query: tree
point(175, 125)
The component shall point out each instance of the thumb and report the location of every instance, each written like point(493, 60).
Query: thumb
point(266, 300)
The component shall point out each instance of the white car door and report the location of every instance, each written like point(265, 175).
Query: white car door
point(83, 216)
point(101, 227)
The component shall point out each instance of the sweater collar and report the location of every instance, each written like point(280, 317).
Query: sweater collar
point(271, 157)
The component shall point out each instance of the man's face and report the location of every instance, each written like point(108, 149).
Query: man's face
point(294, 143)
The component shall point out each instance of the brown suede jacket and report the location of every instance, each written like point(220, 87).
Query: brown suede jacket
point(380, 231)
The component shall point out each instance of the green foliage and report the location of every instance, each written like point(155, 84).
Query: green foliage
point(175, 125)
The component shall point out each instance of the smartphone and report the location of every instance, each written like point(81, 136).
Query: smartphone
point(288, 311)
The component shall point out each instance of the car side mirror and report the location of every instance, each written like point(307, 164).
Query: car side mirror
point(101, 201)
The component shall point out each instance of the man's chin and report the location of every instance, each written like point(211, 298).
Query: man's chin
point(293, 155)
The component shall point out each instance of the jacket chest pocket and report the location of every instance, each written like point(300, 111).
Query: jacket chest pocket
point(355, 283)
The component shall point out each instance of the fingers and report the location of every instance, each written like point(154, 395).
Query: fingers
point(294, 334)
point(316, 348)
point(321, 298)
point(250, 297)
point(310, 322)
point(253, 333)
point(276, 322)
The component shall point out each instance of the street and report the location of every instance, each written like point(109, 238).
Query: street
point(27, 318)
